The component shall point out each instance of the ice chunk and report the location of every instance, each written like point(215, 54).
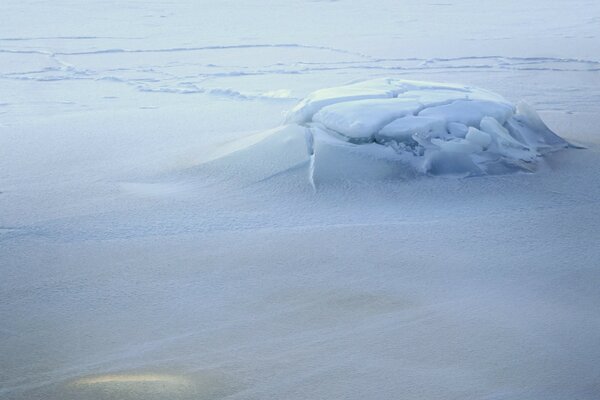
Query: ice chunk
point(360, 120)
point(528, 127)
point(469, 112)
point(388, 128)
point(491, 125)
point(334, 160)
point(457, 129)
point(403, 129)
point(375, 89)
point(478, 137)
point(457, 145)
point(428, 97)
point(506, 145)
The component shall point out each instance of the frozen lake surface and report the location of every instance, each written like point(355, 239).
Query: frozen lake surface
point(137, 262)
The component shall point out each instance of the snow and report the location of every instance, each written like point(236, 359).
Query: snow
point(174, 224)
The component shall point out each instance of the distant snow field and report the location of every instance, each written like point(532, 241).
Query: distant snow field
point(296, 200)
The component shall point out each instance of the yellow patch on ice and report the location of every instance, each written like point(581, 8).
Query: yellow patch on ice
point(133, 378)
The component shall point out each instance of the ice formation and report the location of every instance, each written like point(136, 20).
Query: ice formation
point(386, 128)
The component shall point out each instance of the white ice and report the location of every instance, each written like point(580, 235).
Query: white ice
point(362, 119)
point(424, 123)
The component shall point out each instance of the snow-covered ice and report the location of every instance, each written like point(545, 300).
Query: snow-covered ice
point(267, 200)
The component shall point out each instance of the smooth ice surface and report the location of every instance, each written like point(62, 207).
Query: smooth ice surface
point(157, 243)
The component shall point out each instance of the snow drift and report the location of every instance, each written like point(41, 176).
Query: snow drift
point(390, 128)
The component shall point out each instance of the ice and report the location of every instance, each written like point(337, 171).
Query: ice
point(457, 145)
point(528, 127)
point(402, 129)
point(457, 129)
point(305, 110)
point(495, 128)
point(425, 93)
point(334, 161)
point(419, 130)
point(362, 119)
point(469, 112)
point(478, 137)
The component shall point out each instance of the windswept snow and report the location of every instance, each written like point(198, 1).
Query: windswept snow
point(240, 200)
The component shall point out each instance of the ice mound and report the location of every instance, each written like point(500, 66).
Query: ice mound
point(386, 128)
